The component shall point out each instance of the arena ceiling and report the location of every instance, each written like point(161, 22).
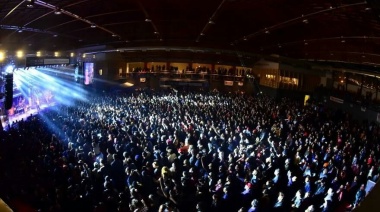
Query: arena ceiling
point(328, 30)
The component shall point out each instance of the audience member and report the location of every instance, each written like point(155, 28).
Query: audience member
point(184, 151)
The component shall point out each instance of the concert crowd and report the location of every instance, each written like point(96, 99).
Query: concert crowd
point(188, 151)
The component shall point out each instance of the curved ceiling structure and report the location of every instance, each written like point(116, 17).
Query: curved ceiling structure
point(327, 30)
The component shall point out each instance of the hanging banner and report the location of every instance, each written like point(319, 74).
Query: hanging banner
point(228, 83)
point(56, 61)
point(40, 61)
point(369, 186)
point(337, 100)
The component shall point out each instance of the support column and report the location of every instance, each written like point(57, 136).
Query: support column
point(190, 65)
point(145, 66)
point(168, 66)
point(298, 78)
point(377, 88)
point(361, 86)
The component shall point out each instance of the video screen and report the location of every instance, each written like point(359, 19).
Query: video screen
point(88, 73)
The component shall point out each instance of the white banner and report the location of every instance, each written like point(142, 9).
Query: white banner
point(228, 83)
point(337, 100)
point(369, 186)
point(56, 61)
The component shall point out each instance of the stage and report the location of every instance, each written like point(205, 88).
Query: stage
point(22, 115)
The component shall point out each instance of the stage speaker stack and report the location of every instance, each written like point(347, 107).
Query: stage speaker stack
point(8, 91)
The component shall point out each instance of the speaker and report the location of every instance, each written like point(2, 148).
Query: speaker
point(8, 91)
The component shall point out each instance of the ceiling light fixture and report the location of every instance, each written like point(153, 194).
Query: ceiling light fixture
point(156, 33)
point(305, 21)
point(267, 32)
point(2, 56)
point(114, 35)
point(93, 26)
point(147, 20)
point(58, 11)
point(211, 22)
point(30, 4)
point(19, 30)
point(202, 34)
point(19, 54)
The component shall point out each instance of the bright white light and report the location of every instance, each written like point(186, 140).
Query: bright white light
point(57, 81)
point(9, 69)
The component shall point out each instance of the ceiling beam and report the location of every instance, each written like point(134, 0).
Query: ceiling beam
point(12, 10)
point(148, 19)
point(295, 20)
point(75, 16)
point(211, 20)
